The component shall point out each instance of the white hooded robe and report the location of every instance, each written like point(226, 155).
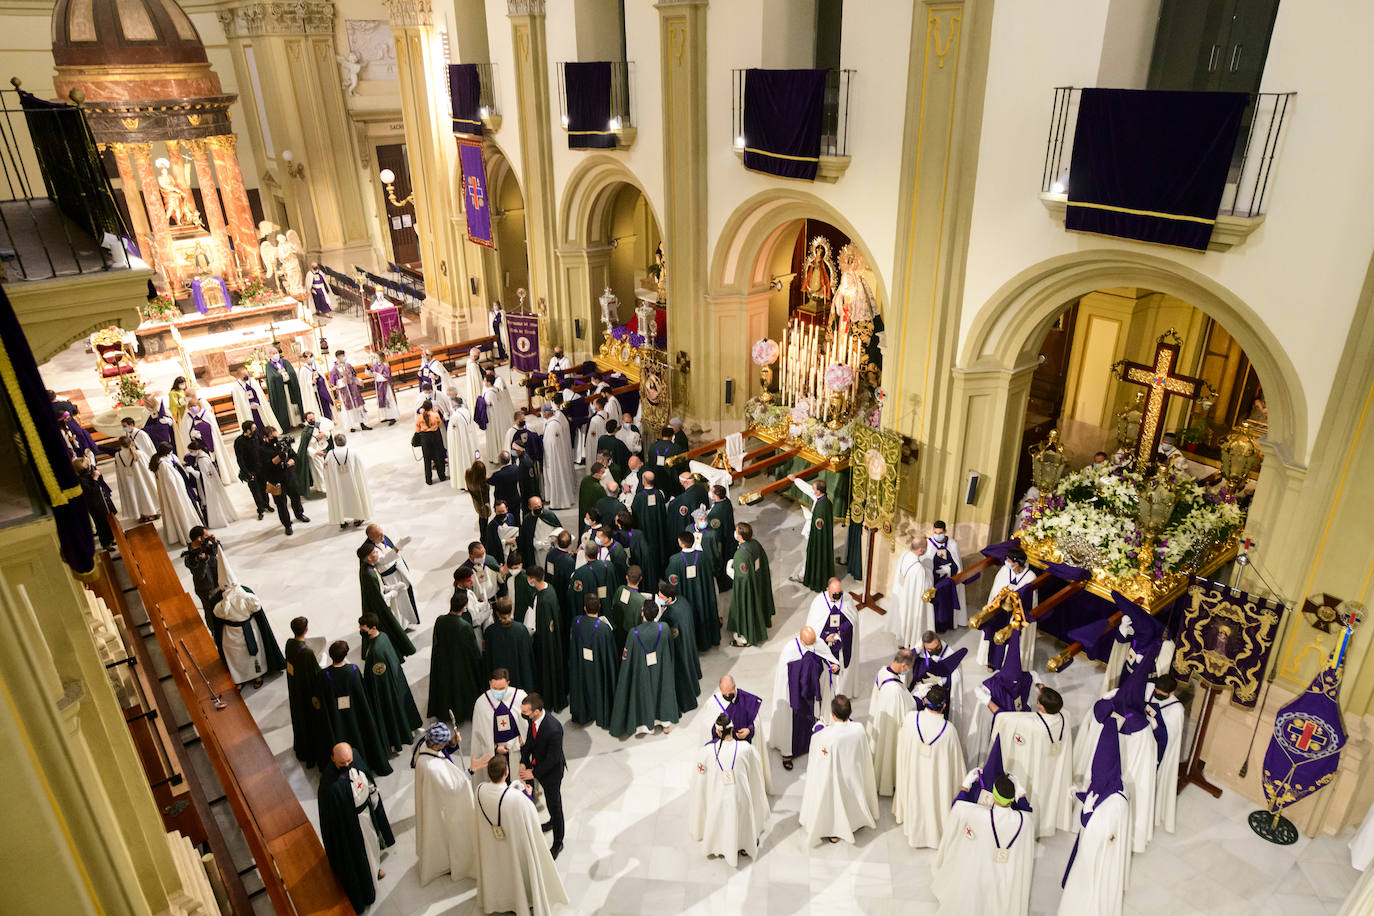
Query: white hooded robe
point(1038, 748)
point(345, 485)
point(984, 863)
point(930, 764)
point(1096, 882)
point(444, 816)
point(841, 792)
point(729, 801)
point(913, 615)
point(888, 706)
point(515, 873)
point(137, 489)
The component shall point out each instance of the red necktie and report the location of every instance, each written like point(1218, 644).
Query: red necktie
point(534, 730)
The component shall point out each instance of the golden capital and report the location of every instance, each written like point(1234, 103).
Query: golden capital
point(197, 147)
point(410, 12)
point(525, 7)
point(227, 142)
point(142, 152)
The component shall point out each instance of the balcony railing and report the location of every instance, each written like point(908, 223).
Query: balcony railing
point(834, 111)
point(621, 115)
point(57, 211)
point(1247, 183)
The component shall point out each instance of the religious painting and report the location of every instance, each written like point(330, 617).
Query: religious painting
point(1224, 638)
point(875, 469)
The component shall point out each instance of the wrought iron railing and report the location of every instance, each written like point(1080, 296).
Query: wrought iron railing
point(834, 111)
point(621, 114)
point(57, 211)
point(1249, 178)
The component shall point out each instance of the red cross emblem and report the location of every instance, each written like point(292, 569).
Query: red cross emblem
point(701, 768)
point(1018, 739)
point(1306, 735)
point(673, 579)
point(968, 833)
point(1158, 381)
point(825, 751)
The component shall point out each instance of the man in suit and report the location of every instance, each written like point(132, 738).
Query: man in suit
point(541, 757)
point(246, 454)
point(505, 482)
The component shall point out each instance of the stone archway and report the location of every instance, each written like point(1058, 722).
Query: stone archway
point(590, 254)
point(999, 352)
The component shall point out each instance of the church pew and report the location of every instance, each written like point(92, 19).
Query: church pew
point(290, 857)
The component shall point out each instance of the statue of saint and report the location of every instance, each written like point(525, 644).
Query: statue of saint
point(290, 252)
point(610, 309)
point(661, 273)
point(818, 274)
point(177, 202)
point(853, 302)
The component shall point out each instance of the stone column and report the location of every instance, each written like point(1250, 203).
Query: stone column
point(214, 213)
point(583, 274)
point(682, 50)
point(225, 153)
point(138, 215)
point(162, 259)
point(533, 121)
point(431, 156)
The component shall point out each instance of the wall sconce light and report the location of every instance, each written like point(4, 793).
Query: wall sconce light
point(775, 283)
point(739, 142)
point(293, 168)
point(389, 178)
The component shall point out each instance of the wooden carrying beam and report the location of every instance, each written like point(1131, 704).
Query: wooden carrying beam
point(991, 610)
point(1043, 608)
point(777, 486)
point(1061, 661)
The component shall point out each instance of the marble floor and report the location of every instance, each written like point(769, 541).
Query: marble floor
point(627, 847)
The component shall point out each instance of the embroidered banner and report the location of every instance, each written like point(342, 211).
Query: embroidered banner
point(523, 331)
point(782, 121)
point(465, 98)
point(475, 192)
point(1305, 751)
point(1224, 638)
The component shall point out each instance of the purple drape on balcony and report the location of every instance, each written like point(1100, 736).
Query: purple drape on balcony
point(588, 86)
point(782, 121)
point(465, 97)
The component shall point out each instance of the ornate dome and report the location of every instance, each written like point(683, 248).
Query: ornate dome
point(123, 33)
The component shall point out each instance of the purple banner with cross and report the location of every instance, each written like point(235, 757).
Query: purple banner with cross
point(475, 201)
point(523, 333)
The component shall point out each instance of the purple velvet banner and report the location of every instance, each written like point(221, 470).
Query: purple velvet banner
point(475, 200)
point(1305, 749)
point(523, 332)
point(465, 99)
point(782, 121)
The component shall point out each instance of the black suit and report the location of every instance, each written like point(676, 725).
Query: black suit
point(506, 485)
point(543, 754)
point(246, 454)
point(275, 458)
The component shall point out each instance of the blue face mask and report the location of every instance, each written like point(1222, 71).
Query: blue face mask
point(660, 601)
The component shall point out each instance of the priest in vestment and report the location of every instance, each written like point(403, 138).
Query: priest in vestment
point(444, 812)
point(345, 482)
point(751, 599)
point(939, 664)
point(284, 391)
point(507, 645)
point(559, 483)
point(913, 614)
point(1126, 705)
point(455, 665)
point(930, 763)
point(538, 528)
point(887, 710)
point(836, 621)
point(515, 870)
point(1039, 749)
point(548, 642)
point(677, 614)
point(315, 391)
point(593, 663)
point(348, 712)
point(818, 528)
point(462, 439)
point(803, 685)
point(646, 692)
point(353, 826)
point(395, 574)
point(690, 572)
point(344, 380)
point(250, 401)
point(950, 607)
point(497, 727)
point(384, 390)
point(1169, 717)
point(380, 598)
point(720, 526)
point(1099, 866)
point(1016, 575)
point(841, 792)
point(729, 801)
point(309, 730)
point(384, 682)
point(985, 859)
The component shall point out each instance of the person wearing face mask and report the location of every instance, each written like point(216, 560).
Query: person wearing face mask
point(559, 362)
point(384, 682)
point(836, 622)
point(949, 605)
point(677, 614)
point(751, 599)
point(1169, 455)
point(497, 729)
point(542, 760)
point(1015, 574)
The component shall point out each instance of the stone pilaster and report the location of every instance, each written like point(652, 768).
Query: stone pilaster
point(133, 200)
point(583, 274)
point(224, 151)
point(157, 216)
point(210, 205)
point(533, 121)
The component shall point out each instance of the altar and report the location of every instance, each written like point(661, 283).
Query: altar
point(155, 338)
point(214, 357)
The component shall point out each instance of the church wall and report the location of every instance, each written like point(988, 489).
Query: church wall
point(502, 49)
point(1300, 271)
point(1127, 43)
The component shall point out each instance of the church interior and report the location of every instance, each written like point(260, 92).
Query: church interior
point(1089, 380)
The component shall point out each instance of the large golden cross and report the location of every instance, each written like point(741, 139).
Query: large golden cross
point(1161, 384)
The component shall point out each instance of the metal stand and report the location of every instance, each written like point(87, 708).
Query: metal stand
point(869, 599)
point(1275, 828)
point(1192, 770)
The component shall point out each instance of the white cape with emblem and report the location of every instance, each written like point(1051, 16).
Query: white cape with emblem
point(913, 615)
point(967, 877)
point(463, 445)
point(888, 706)
point(443, 818)
point(516, 873)
point(179, 514)
point(930, 764)
point(484, 726)
point(345, 486)
point(1039, 750)
point(1096, 882)
point(729, 801)
point(847, 681)
point(219, 510)
point(841, 793)
point(1139, 770)
point(137, 489)
point(779, 714)
point(560, 487)
point(706, 721)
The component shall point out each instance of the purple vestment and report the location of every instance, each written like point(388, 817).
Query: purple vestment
point(321, 390)
point(381, 383)
point(319, 293)
point(743, 711)
point(78, 432)
point(345, 381)
point(201, 418)
point(946, 600)
point(803, 693)
point(156, 429)
point(845, 629)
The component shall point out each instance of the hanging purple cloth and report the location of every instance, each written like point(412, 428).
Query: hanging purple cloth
point(198, 297)
point(803, 693)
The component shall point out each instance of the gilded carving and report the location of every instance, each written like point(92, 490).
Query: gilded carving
point(933, 34)
point(525, 7)
point(267, 18)
point(130, 123)
point(410, 13)
point(193, 120)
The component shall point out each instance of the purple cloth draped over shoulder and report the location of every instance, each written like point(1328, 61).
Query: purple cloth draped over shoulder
point(201, 427)
point(479, 413)
point(845, 631)
point(744, 711)
point(803, 693)
point(156, 429)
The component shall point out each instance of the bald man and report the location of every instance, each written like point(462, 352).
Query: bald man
point(803, 685)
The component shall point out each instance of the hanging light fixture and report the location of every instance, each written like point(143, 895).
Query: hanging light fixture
point(1240, 455)
point(1128, 422)
point(1048, 463)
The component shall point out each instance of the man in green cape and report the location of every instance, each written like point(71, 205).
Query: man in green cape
point(518, 588)
point(677, 614)
point(304, 469)
point(627, 606)
point(384, 682)
point(690, 572)
point(719, 535)
point(637, 549)
point(762, 573)
point(455, 667)
point(679, 436)
point(558, 570)
point(590, 490)
point(681, 509)
point(609, 506)
point(820, 536)
point(593, 578)
point(508, 646)
point(593, 663)
point(613, 555)
point(309, 731)
point(751, 600)
point(348, 712)
point(610, 444)
point(646, 688)
point(550, 659)
point(375, 601)
point(284, 391)
point(650, 511)
point(353, 825)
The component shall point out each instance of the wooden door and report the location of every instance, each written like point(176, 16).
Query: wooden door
point(405, 244)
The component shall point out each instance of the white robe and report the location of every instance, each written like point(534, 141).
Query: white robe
point(596, 426)
point(847, 681)
point(239, 606)
point(463, 443)
point(1166, 779)
point(345, 483)
point(888, 706)
point(960, 704)
point(966, 876)
point(364, 790)
point(179, 514)
point(1096, 883)
point(1000, 581)
point(181, 428)
point(560, 486)
point(315, 452)
point(516, 873)
point(224, 457)
point(1139, 770)
point(913, 615)
point(841, 792)
point(1361, 899)
point(137, 489)
point(243, 407)
point(497, 423)
point(219, 511)
point(930, 763)
point(1038, 748)
point(483, 728)
point(1116, 662)
point(400, 581)
point(1362, 844)
point(435, 368)
point(729, 801)
point(143, 443)
point(306, 373)
point(951, 545)
point(472, 385)
point(444, 816)
point(560, 364)
point(779, 713)
point(706, 719)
